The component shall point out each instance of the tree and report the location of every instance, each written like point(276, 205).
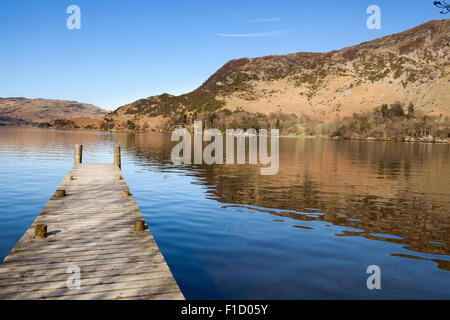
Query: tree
point(131, 125)
point(396, 110)
point(411, 110)
point(442, 5)
point(104, 126)
point(384, 110)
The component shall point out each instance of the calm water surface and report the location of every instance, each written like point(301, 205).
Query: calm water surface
point(310, 232)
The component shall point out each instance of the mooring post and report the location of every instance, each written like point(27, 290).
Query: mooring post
point(40, 231)
point(60, 193)
point(139, 225)
point(78, 154)
point(126, 194)
point(117, 160)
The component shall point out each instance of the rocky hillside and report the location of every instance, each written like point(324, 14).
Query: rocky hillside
point(19, 111)
point(409, 67)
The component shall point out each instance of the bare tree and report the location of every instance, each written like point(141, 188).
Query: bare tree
point(442, 5)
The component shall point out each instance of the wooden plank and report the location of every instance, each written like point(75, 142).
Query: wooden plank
point(92, 281)
point(155, 293)
point(141, 265)
point(110, 290)
point(62, 276)
point(78, 255)
point(75, 247)
point(81, 264)
point(93, 229)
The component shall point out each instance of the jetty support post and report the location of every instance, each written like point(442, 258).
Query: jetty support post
point(78, 154)
point(139, 225)
point(40, 231)
point(117, 160)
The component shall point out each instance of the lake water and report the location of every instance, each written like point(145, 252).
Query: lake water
point(309, 232)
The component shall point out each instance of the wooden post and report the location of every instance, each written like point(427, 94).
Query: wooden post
point(40, 231)
point(78, 154)
point(60, 193)
point(139, 225)
point(126, 194)
point(117, 160)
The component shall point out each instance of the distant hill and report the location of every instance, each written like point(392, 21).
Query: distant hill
point(408, 67)
point(22, 111)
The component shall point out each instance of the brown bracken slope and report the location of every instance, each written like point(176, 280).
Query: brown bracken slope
point(32, 111)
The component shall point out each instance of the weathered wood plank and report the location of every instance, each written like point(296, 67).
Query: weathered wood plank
point(81, 264)
point(80, 248)
point(110, 291)
point(140, 265)
point(78, 255)
point(50, 246)
point(62, 276)
point(137, 279)
point(92, 227)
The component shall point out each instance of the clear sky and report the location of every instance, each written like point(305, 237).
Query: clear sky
point(132, 49)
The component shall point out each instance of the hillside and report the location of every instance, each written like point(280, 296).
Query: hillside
point(21, 111)
point(409, 67)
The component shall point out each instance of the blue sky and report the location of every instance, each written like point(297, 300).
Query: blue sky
point(127, 50)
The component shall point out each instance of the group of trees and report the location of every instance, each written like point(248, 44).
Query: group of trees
point(59, 124)
point(222, 120)
point(394, 122)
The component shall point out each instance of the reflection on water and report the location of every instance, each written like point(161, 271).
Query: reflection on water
point(334, 208)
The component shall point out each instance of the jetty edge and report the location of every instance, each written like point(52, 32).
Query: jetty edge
point(90, 242)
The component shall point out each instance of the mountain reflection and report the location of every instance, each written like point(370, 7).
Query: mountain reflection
point(393, 192)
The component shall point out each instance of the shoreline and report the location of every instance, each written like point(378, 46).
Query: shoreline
point(428, 139)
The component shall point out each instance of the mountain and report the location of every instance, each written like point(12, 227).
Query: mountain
point(408, 67)
point(32, 111)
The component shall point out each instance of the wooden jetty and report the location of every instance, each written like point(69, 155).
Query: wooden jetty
point(89, 242)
